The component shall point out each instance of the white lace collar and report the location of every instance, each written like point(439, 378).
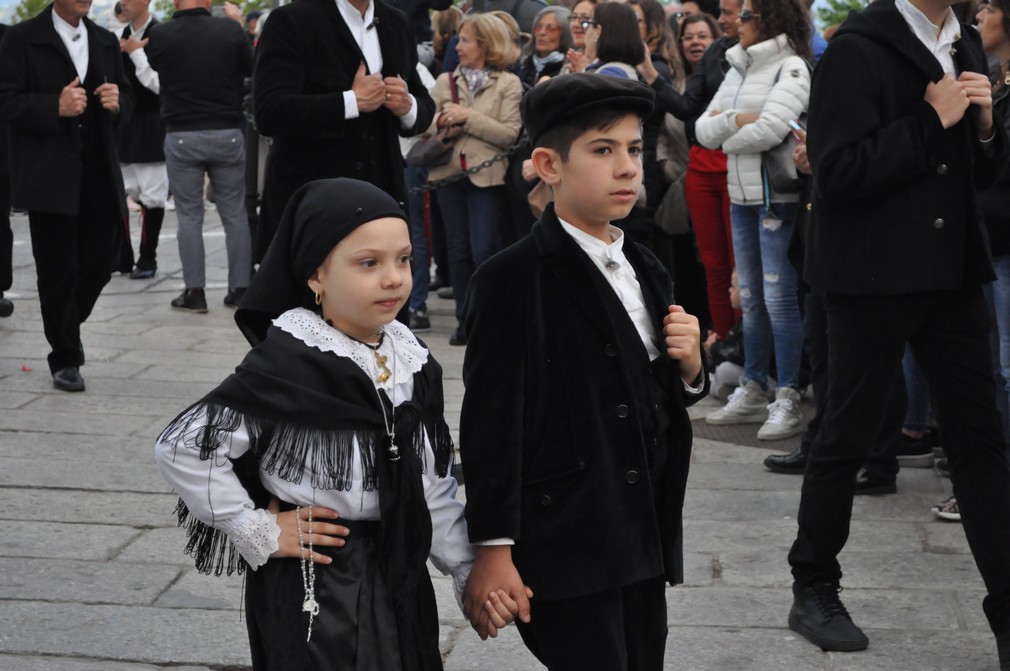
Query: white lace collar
point(405, 354)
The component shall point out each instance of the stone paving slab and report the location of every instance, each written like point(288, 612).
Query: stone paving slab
point(62, 541)
point(197, 590)
point(134, 474)
point(125, 633)
point(505, 653)
point(23, 663)
point(129, 509)
point(75, 581)
point(72, 420)
point(764, 607)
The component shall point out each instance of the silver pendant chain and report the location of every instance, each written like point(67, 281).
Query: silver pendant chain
point(390, 425)
point(310, 605)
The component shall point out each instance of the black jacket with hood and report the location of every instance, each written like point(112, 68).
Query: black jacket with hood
point(894, 201)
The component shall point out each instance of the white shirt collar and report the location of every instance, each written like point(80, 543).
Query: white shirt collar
point(939, 40)
point(67, 31)
point(150, 17)
point(596, 248)
point(353, 17)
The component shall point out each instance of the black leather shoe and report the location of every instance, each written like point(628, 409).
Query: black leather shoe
point(874, 484)
point(142, 273)
point(1003, 648)
point(457, 339)
point(234, 297)
point(6, 307)
point(68, 379)
point(819, 616)
point(192, 300)
point(793, 463)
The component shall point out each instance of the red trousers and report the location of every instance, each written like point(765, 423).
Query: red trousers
point(708, 205)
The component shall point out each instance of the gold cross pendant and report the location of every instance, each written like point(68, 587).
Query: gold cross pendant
point(386, 373)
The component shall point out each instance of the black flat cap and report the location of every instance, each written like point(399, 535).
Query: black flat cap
point(567, 96)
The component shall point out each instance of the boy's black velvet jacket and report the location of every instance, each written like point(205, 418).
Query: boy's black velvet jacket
point(552, 445)
point(894, 203)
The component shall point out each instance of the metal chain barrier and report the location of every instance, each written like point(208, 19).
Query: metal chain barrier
point(523, 141)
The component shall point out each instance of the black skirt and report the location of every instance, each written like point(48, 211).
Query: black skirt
point(355, 629)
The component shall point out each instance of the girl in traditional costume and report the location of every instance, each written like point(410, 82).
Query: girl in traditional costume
point(323, 463)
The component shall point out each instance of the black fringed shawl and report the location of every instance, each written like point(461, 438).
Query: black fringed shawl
point(303, 410)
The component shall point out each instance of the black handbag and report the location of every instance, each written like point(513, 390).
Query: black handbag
point(435, 150)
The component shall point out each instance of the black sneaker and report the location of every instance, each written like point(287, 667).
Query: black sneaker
point(914, 452)
point(819, 616)
point(868, 484)
point(192, 300)
point(140, 273)
point(457, 339)
point(68, 379)
point(419, 322)
point(793, 463)
point(234, 297)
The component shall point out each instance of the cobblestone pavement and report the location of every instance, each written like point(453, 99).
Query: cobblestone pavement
point(92, 575)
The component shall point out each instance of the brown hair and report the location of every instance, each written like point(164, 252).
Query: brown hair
point(445, 25)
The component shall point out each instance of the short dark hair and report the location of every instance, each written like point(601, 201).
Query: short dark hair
point(561, 137)
point(620, 41)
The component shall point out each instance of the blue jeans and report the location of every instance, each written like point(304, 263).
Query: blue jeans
point(997, 297)
point(769, 294)
point(472, 234)
point(419, 260)
point(918, 410)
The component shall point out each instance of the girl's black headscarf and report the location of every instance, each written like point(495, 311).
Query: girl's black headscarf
point(306, 411)
point(318, 216)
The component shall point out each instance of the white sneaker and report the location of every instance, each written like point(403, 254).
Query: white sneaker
point(748, 404)
point(785, 418)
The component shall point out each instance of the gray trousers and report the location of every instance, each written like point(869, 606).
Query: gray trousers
point(219, 154)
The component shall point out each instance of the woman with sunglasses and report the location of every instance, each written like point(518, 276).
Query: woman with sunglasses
point(766, 88)
point(544, 55)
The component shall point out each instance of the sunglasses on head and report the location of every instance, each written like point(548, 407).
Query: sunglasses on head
point(747, 15)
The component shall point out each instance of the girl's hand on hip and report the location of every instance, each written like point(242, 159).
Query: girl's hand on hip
point(323, 533)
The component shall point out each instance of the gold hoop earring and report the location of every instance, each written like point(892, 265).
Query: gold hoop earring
point(319, 298)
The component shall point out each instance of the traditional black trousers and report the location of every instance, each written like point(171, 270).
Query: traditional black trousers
point(74, 256)
point(948, 332)
point(620, 629)
point(6, 234)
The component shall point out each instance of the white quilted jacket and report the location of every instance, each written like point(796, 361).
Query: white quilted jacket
point(750, 86)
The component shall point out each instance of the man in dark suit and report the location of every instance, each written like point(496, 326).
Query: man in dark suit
point(6, 235)
point(61, 88)
point(335, 85)
point(900, 136)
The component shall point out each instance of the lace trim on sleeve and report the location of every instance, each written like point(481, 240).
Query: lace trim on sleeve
point(459, 577)
point(255, 535)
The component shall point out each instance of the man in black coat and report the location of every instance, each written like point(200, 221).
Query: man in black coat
point(61, 88)
point(6, 235)
point(900, 136)
point(334, 100)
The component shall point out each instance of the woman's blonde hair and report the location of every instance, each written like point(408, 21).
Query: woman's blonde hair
point(493, 37)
